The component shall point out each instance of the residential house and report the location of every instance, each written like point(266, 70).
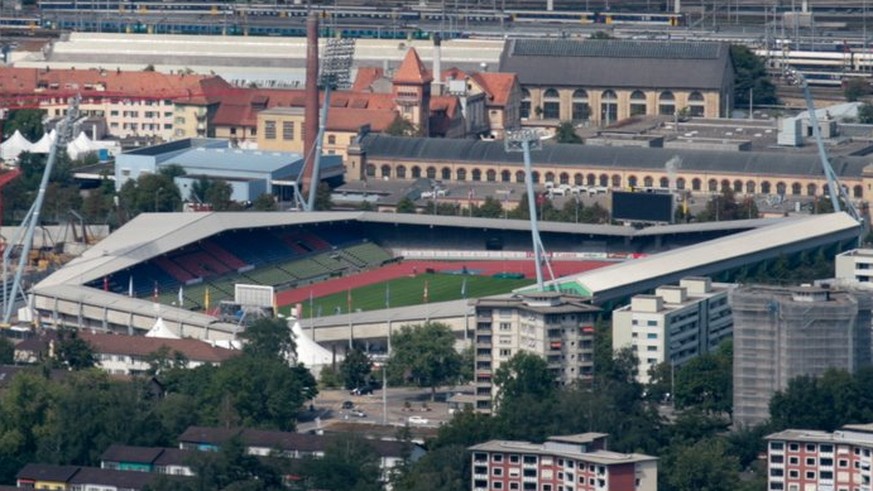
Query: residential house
point(69, 477)
point(170, 461)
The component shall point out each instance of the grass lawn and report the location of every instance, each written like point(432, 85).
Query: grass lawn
point(409, 291)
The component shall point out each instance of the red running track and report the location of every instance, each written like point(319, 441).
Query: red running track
point(406, 268)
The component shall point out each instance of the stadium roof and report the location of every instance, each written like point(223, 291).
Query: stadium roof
point(640, 275)
point(153, 234)
point(435, 150)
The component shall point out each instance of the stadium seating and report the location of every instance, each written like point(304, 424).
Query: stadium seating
point(222, 255)
point(170, 267)
point(257, 247)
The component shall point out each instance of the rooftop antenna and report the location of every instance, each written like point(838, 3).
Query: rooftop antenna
point(31, 220)
point(525, 140)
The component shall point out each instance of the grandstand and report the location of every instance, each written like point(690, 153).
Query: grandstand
point(176, 258)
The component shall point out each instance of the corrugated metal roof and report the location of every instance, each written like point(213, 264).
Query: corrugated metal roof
point(733, 246)
point(584, 157)
point(612, 48)
point(229, 159)
point(614, 64)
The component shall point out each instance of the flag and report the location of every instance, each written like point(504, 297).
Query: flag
point(206, 300)
point(105, 283)
point(130, 287)
point(311, 311)
point(387, 295)
point(181, 297)
point(464, 288)
point(155, 293)
point(425, 291)
point(349, 299)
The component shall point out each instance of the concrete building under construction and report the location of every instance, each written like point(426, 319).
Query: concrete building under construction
point(785, 332)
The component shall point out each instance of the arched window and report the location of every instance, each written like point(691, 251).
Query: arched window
point(608, 107)
point(371, 170)
point(524, 108)
point(535, 176)
point(416, 172)
point(491, 175)
point(664, 182)
point(581, 109)
point(680, 183)
point(765, 187)
point(725, 185)
point(604, 180)
point(519, 176)
point(695, 184)
point(578, 179)
point(696, 104)
point(550, 177)
point(858, 192)
point(638, 103)
point(386, 171)
point(461, 173)
point(505, 176)
point(738, 186)
point(591, 180)
point(564, 178)
point(401, 172)
point(666, 104)
point(632, 181)
point(781, 188)
point(811, 189)
point(551, 104)
point(712, 186)
point(796, 189)
point(750, 187)
point(431, 172)
point(446, 174)
point(476, 175)
point(648, 182)
point(616, 181)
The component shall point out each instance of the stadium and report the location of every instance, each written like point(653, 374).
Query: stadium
point(343, 269)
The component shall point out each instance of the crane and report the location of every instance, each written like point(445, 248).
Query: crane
point(835, 191)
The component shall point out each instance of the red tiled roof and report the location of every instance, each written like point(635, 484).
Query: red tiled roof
point(412, 70)
point(498, 86)
point(366, 76)
point(447, 103)
point(193, 349)
point(350, 119)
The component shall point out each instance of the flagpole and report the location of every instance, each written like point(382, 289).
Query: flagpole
point(351, 328)
point(311, 316)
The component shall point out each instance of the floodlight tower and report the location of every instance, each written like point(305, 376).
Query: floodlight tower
point(526, 140)
point(31, 220)
point(835, 190)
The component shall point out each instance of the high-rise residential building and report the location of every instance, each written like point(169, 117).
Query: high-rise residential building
point(804, 460)
point(572, 462)
point(784, 332)
point(675, 324)
point(556, 326)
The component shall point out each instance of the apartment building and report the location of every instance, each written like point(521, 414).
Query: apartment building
point(562, 463)
point(807, 460)
point(784, 332)
point(855, 267)
point(676, 324)
point(556, 326)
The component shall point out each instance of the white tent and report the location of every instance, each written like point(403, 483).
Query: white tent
point(44, 145)
point(310, 353)
point(81, 146)
point(14, 146)
point(160, 330)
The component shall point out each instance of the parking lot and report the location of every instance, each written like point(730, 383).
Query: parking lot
point(403, 405)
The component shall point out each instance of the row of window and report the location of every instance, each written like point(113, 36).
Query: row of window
point(605, 180)
point(581, 111)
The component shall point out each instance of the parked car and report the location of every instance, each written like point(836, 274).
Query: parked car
point(358, 413)
point(348, 404)
point(362, 391)
point(417, 420)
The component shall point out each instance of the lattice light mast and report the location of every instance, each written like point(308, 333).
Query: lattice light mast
point(526, 140)
point(31, 220)
point(335, 74)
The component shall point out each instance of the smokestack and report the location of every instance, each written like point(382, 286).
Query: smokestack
point(310, 112)
point(437, 84)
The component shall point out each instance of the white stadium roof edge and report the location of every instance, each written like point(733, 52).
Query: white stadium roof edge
point(784, 236)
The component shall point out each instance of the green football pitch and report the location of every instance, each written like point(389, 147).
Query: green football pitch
point(401, 292)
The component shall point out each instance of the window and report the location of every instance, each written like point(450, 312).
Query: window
point(810, 447)
point(696, 106)
point(652, 335)
point(524, 109)
point(637, 103)
point(288, 130)
point(270, 130)
point(810, 474)
point(667, 104)
point(581, 109)
point(551, 104)
point(608, 107)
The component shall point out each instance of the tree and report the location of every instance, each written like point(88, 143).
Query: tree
point(490, 208)
point(269, 338)
point(446, 468)
point(705, 382)
point(323, 201)
point(406, 205)
point(566, 133)
point(525, 374)
point(163, 359)
point(400, 126)
point(600, 35)
point(356, 368)
point(724, 206)
point(425, 354)
point(74, 352)
point(265, 202)
point(856, 88)
point(349, 464)
point(865, 113)
point(7, 351)
point(706, 465)
point(150, 193)
point(172, 171)
point(218, 195)
point(751, 76)
point(26, 121)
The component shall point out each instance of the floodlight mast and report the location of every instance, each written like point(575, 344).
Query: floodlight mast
point(335, 75)
point(526, 140)
point(31, 221)
point(835, 190)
